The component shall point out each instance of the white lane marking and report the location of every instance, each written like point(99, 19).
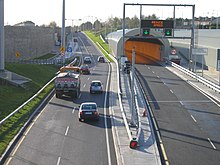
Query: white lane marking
point(158, 76)
point(84, 85)
point(58, 161)
point(186, 101)
point(88, 78)
point(73, 110)
point(153, 72)
point(203, 92)
point(79, 95)
point(181, 102)
point(211, 143)
point(171, 91)
point(106, 125)
point(193, 118)
point(67, 129)
point(84, 46)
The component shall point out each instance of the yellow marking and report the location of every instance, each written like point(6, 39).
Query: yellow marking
point(164, 154)
point(22, 139)
point(26, 132)
point(8, 161)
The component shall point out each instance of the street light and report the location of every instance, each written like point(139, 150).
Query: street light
point(71, 28)
point(2, 51)
point(63, 27)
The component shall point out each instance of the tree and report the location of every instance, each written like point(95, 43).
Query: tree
point(52, 24)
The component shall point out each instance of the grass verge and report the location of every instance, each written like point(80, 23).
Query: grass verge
point(12, 97)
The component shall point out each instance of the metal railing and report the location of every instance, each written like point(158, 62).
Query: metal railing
point(204, 81)
point(29, 100)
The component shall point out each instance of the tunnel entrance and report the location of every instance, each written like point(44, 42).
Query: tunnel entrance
point(147, 51)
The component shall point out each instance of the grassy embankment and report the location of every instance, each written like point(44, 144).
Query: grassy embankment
point(12, 97)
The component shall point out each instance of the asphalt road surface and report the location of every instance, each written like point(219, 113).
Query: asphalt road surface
point(188, 121)
point(56, 137)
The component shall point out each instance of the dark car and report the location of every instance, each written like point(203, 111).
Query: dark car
point(87, 60)
point(96, 87)
point(84, 69)
point(101, 59)
point(88, 110)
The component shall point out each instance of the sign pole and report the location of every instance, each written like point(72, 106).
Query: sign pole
point(218, 63)
point(132, 89)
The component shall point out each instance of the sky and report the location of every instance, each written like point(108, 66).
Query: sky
point(79, 11)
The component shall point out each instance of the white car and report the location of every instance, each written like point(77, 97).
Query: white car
point(88, 110)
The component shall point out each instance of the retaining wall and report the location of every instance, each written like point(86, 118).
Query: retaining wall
point(29, 42)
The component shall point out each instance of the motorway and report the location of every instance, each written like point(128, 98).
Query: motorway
point(57, 137)
point(188, 121)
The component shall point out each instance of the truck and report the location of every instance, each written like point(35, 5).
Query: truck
point(67, 83)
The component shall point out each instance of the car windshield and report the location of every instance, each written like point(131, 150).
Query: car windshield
point(88, 107)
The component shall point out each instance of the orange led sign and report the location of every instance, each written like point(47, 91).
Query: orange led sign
point(157, 24)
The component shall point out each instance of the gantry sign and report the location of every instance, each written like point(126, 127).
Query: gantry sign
point(168, 26)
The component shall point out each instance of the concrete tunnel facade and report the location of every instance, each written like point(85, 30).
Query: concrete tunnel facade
point(147, 50)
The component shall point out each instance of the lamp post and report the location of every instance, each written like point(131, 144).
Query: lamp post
point(63, 27)
point(71, 30)
point(217, 21)
point(2, 51)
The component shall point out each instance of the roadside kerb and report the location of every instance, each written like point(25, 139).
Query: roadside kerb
point(120, 100)
point(122, 109)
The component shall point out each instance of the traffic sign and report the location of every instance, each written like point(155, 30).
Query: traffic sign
point(17, 54)
point(146, 32)
point(173, 52)
point(69, 49)
point(200, 51)
point(62, 49)
point(168, 32)
point(157, 24)
point(133, 144)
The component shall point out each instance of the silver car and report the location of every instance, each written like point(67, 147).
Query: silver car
point(96, 87)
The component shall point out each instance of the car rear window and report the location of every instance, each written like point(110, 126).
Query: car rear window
point(96, 84)
point(89, 107)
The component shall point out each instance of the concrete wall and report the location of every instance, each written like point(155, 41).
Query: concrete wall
point(207, 38)
point(29, 42)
